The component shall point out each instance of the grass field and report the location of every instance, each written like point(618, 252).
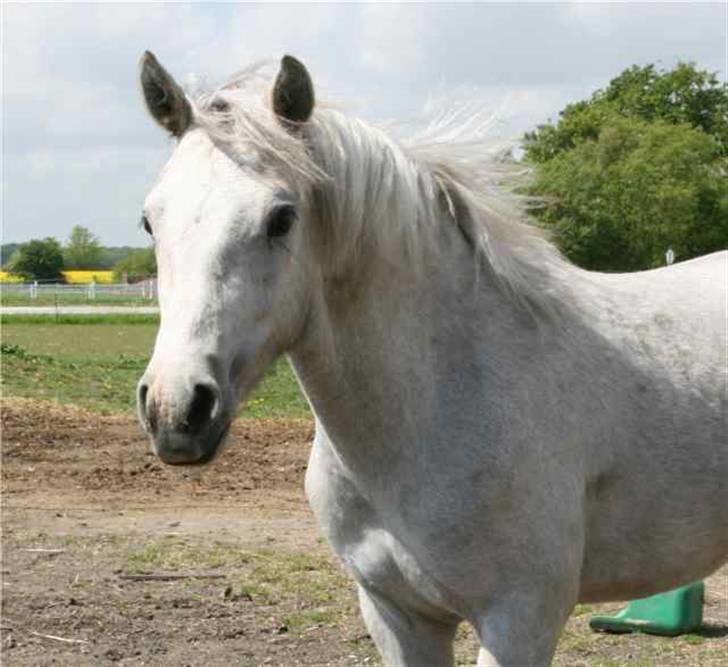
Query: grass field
point(73, 299)
point(97, 364)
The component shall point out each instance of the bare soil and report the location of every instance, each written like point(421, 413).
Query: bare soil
point(86, 506)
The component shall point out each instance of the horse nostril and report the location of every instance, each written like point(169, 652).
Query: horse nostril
point(142, 407)
point(202, 408)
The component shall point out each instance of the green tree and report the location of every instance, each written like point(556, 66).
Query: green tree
point(137, 265)
point(112, 255)
point(683, 95)
point(7, 250)
point(618, 202)
point(83, 250)
point(39, 259)
point(638, 167)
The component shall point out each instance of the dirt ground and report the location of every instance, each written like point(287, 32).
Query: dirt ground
point(110, 557)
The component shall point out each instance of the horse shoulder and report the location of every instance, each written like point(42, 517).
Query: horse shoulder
point(368, 548)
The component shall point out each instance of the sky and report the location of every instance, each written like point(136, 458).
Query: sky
point(79, 148)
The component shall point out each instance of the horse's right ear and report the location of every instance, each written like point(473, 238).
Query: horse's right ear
point(165, 98)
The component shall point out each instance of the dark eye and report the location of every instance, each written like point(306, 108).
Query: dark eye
point(280, 221)
point(144, 224)
point(219, 106)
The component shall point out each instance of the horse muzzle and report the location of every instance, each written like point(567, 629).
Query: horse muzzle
point(187, 423)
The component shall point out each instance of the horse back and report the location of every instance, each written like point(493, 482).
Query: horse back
point(656, 501)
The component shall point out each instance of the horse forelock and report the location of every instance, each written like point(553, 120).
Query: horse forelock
point(368, 190)
point(239, 117)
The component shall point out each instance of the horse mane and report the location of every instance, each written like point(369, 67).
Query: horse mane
point(370, 190)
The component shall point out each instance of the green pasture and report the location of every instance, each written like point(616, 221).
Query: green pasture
point(72, 299)
point(97, 362)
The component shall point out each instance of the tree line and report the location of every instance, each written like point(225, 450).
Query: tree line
point(638, 168)
point(45, 259)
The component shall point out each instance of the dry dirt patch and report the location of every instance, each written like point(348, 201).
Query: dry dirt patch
point(85, 504)
point(51, 447)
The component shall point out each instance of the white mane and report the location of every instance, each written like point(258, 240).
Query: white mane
point(371, 191)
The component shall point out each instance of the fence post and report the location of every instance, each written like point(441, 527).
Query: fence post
point(34, 290)
point(92, 289)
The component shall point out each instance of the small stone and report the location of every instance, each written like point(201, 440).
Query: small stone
point(113, 654)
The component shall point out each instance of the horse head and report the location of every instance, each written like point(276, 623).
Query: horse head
point(226, 220)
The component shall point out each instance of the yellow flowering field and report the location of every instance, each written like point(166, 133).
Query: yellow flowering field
point(73, 276)
point(84, 277)
point(6, 277)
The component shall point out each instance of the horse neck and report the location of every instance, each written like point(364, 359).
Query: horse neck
point(405, 331)
point(385, 360)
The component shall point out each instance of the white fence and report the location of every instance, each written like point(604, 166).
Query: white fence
point(143, 291)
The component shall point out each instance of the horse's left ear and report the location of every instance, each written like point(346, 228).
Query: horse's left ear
point(165, 98)
point(293, 97)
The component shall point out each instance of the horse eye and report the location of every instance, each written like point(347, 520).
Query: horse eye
point(280, 221)
point(144, 222)
point(220, 106)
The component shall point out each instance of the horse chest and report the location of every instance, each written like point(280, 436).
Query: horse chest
point(370, 552)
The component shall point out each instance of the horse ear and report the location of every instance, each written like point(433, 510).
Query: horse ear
point(293, 97)
point(165, 98)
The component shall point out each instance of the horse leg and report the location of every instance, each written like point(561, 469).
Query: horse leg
point(522, 629)
point(406, 638)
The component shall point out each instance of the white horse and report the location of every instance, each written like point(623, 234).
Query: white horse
point(499, 434)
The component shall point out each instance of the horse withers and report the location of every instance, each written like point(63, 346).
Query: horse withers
point(499, 434)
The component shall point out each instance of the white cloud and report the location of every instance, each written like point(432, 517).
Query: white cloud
point(393, 38)
point(76, 130)
point(99, 187)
